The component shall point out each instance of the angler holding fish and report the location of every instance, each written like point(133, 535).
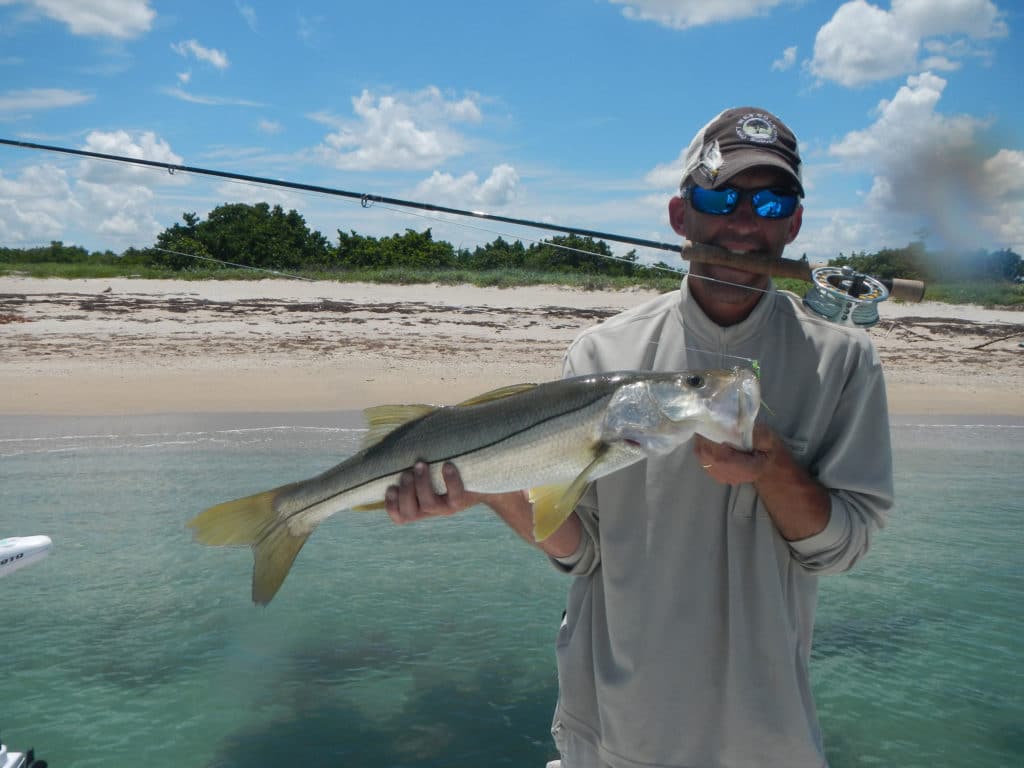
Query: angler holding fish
point(687, 634)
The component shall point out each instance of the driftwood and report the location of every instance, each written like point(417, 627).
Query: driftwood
point(1001, 338)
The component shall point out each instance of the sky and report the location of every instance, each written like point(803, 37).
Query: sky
point(909, 113)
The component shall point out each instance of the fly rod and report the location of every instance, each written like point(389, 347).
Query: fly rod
point(832, 288)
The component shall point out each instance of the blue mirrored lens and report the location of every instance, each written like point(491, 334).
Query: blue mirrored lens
point(717, 202)
point(767, 203)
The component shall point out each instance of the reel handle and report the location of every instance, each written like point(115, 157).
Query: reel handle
point(763, 264)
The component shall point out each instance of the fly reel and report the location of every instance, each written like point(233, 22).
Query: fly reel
point(845, 297)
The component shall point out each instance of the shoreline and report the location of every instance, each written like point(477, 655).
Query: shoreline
point(127, 346)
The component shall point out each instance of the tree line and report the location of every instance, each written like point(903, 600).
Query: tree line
point(267, 237)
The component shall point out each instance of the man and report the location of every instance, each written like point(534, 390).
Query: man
point(687, 633)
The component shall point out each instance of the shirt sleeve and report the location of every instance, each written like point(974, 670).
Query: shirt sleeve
point(855, 465)
point(587, 557)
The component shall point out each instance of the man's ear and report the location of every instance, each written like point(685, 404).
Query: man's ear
point(676, 214)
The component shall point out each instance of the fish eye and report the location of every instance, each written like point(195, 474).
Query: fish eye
point(695, 381)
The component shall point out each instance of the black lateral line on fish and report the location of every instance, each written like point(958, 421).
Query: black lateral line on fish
point(441, 459)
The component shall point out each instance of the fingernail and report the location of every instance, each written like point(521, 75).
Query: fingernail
point(448, 469)
point(419, 468)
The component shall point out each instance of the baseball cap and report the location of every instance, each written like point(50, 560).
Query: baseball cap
point(737, 139)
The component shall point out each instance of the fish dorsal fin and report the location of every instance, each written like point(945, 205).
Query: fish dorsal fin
point(382, 420)
point(552, 504)
point(498, 394)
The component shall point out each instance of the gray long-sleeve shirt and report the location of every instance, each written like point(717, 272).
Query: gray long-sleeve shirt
point(688, 631)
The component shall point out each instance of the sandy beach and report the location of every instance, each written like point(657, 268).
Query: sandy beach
point(127, 346)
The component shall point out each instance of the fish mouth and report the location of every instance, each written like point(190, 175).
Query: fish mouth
point(749, 402)
point(736, 411)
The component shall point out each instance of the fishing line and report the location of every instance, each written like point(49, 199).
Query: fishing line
point(363, 197)
point(233, 264)
point(533, 241)
point(368, 200)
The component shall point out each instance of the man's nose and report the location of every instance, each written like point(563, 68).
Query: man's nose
point(743, 217)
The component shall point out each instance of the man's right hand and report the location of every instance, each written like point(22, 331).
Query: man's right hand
point(414, 498)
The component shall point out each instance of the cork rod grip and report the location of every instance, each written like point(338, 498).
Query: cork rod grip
point(762, 263)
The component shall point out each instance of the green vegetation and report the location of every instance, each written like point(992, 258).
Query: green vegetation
point(240, 241)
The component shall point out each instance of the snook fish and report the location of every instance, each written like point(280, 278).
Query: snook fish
point(554, 438)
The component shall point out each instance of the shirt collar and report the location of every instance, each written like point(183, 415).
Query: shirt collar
point(695, 320)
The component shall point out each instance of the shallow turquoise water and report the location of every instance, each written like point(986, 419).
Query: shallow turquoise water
point(432, 645)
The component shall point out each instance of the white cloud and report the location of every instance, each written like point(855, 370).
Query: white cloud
point(667, 175)
point(404, 131)
point(270, 127)
point(119, 196)
point(932, 171)
point(940, 64)
point(497, 190)
point(35, 205)
point(827, 233)
point(35, 99)
point(309, 28)
point(103, 18)
point(931, 18)
point(119, 212)
point(248, 13)
point(219, 59)
point(184, 77)
point(860, 43)
point(907, 125)
point(90, 197)
point(1005, 171)
point(682, 14)
point(142, 146)
point(787, 60)
point(863, 43)
point(216, 101)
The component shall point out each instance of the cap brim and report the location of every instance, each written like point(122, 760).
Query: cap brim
point(739, 161)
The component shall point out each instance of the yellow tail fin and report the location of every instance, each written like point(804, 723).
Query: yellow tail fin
point(253, 520)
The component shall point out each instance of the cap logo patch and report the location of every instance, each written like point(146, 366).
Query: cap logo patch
point(757, 128)
point(711, 160)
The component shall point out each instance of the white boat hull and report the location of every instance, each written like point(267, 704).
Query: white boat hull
point(19, 551)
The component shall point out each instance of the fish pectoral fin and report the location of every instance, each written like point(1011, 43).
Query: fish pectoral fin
point(548, 510)
point(498, 394)
point(552, 504)
point(382, 420)
point(254, 520)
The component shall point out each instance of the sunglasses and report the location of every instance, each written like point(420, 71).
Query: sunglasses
point(767, 203)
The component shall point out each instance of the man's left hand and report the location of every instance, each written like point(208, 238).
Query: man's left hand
point(733, 466)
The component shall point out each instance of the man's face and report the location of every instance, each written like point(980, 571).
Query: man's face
point(741, 231)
